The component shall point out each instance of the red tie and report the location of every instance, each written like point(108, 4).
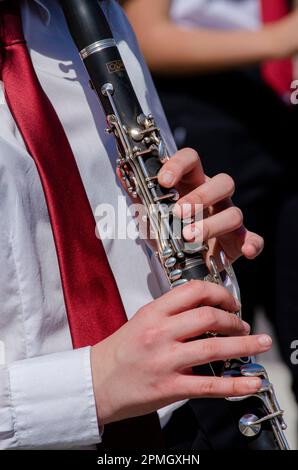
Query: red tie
point(279, 73)
point(92, 299)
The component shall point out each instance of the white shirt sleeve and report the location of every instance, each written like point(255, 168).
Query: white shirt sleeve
point(48, 402)
point(218, 14)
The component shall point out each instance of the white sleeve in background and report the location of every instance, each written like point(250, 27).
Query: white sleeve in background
point(48, 402)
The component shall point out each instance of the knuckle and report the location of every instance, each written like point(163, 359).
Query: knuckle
point(207, 349)
point(209, 317)
point(173, 166)
point(180, 388)
point(169, 389)
point(237, 216)
point(246, 345)
point(146, 310)
point(192, 290)
point(202, 192)
point(186, 201)
point(236, 323)
point(194, 285)
point(151, 337)
point(207, 387)
point(208, 288)
point(235, 389)
point(206, 230)
point(192, 153)
point(203, 291)
point(228, 183)
point(224, 296)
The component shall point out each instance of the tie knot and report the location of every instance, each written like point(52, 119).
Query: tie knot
point(11, 30)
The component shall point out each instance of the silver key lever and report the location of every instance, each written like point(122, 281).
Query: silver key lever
point(250, 425)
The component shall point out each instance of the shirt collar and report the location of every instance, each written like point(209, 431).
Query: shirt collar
point(44, 10)
point(45, 13)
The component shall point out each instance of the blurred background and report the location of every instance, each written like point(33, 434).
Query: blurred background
point(281, 378)
point(225, 71)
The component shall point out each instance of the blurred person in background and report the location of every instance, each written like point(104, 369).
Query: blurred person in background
point(224, 71)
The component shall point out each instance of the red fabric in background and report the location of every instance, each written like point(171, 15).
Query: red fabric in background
point(278, 73)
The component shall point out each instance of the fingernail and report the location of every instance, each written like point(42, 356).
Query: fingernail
point(265, 340)
point(192, 232)
point(254, 384)
point(246, 326)
point(252, 245)
point(238, 304)
point(253, 249)
point(167, 178)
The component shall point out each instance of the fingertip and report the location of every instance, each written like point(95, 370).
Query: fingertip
point(187, 234)
point(250, 251)
point(192, 233)
point(265, 341)
point(166, 178)
point(245, 386)
point(253, 246)
point(242, 386)
point(237, 304)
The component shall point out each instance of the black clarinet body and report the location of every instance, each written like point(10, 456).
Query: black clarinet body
point(142, 153)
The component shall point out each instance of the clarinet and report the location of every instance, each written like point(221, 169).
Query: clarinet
point(142, 152)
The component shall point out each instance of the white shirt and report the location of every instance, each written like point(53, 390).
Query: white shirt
point(217, 14)
point(46, 394)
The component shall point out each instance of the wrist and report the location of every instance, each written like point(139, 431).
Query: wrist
point(98, 367)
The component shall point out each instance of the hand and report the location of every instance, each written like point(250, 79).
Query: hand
point(147, 363)
point(223, 225)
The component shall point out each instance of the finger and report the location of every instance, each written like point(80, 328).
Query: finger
point(215, 189)
point(241, 242)
point(216, 387)
point(253, 245)
point(191, 295)
point(203, 351)
point(214, 226)
point(184, 162)
point(198, 321)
